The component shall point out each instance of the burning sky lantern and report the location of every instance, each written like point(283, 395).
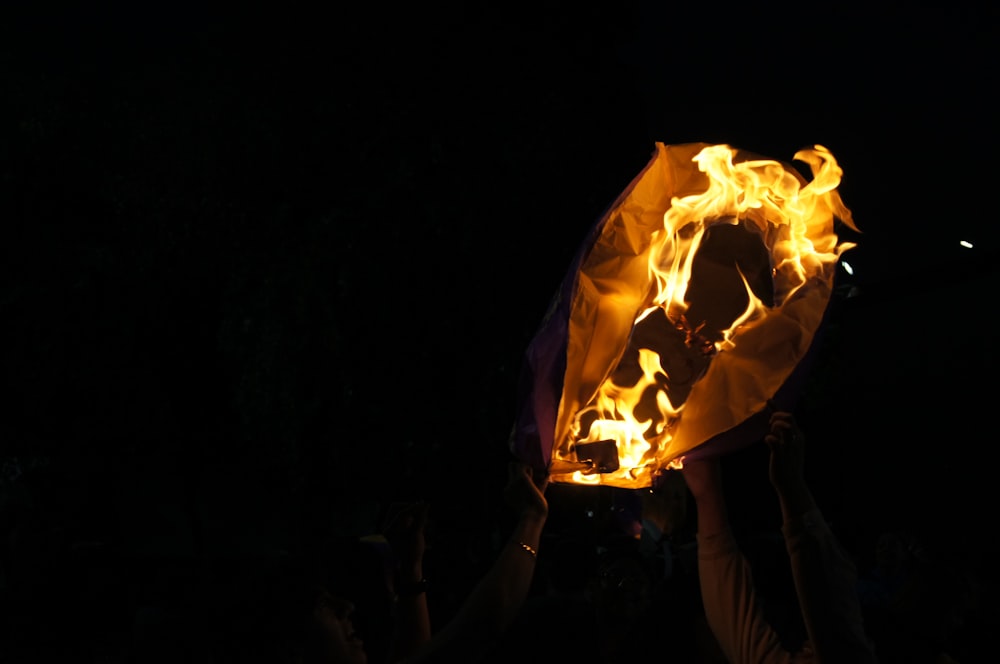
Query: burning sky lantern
point(688, 312)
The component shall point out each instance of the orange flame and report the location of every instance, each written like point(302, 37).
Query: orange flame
point(639, 373)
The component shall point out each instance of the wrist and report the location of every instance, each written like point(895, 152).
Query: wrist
point(795, 501)
point(411, 588)
point(528, 532)
point(527, 548)
point(533, 517)
point(410, 573)
point(791, 490)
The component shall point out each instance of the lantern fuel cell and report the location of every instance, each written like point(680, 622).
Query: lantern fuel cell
point(602, 455)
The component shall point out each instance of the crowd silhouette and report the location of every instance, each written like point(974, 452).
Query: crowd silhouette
point(658, 574)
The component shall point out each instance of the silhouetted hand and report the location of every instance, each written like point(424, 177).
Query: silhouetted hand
point(524, 493)
point(787, 445)
point(405, 534)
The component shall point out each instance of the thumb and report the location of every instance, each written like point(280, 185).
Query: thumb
point(543, 482)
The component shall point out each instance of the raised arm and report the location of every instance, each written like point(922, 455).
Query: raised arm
point(825, 576)
point(412, 624)
point(727, 590)
point(499, 595)
point(787, 466)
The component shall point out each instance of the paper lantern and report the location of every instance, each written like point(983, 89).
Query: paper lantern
point(688, 311)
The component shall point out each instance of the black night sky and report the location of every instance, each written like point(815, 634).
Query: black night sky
point(264, 274)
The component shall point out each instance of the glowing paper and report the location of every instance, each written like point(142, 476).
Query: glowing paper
point(693, 302)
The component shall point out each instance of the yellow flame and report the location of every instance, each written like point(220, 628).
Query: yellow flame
point(794, 221)
point(754, 306)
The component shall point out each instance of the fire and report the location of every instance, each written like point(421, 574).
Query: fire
point(668, 348)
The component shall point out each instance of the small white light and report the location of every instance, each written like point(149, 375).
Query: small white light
point(590, 514)
point(847, 266)
point(966, 244)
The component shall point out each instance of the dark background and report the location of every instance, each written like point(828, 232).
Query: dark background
point(264, 273)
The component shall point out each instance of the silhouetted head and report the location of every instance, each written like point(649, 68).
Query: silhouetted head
point(299, 609)
point(329, 636)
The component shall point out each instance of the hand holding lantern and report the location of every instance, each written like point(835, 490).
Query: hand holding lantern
point(524, 493)
point(786, 443)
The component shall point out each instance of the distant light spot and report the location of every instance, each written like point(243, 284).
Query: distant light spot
point(847, 267)
point(966, 244)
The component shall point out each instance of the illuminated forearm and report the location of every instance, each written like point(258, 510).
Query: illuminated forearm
point(704, 479)
point(496, 599)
